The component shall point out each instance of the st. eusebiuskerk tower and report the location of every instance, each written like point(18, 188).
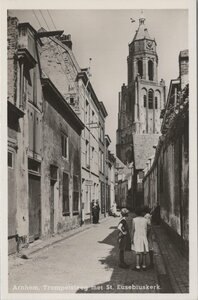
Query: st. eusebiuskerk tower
point(141, 101)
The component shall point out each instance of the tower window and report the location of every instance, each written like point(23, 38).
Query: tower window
point(10, 159)
point(140, 68)
point(150, 99)
point(155, 102)
point(144, 100)
point(150, 70)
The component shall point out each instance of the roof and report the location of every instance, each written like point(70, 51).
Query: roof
point(107, 139)
point(141, 32)
point(103, 109)
point(73, 120)
point(143, 148)
point(84, 76)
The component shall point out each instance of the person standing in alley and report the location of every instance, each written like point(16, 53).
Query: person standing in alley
point(147, 216)
point(94, 212)
point(123, 237)
point(139, 239)
point(156, 217)
point(97, 211)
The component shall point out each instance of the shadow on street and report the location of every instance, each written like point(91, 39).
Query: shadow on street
point(122, 280)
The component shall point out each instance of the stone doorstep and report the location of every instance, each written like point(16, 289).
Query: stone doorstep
point(42, 244)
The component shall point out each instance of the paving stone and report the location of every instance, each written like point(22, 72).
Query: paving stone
point(88, 259)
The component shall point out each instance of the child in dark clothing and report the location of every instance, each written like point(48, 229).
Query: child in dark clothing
point(123, 237)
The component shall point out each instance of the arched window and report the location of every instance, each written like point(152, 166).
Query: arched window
point(155, 102)
point(150, 70)
point(150, 99)
point(144, 97)
point(140, 68)
point(157, 99)
point(144, 100)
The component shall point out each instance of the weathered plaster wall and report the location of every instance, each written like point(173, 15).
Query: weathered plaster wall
point(55, 122)
point(167, 182)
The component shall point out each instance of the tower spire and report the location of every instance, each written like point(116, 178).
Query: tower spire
point(142, 18)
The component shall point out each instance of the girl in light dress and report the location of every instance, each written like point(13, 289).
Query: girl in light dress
point(139, 239)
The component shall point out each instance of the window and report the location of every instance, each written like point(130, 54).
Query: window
point(64, 145)
point(150, 70)
point(141, 174)
point(53, 172)
point(101, 133)
point(140, 68)
point(87, 154)
point(71, 101)
point(34, 166)
point(155, 102)
point(102, 162)
point(92, 152)
point(150, 99)
point(35, 86)
point(144, 100)
point(10, 159)
point(93, 114)
point(75, 194)
point(87, 113)
point(65, 194)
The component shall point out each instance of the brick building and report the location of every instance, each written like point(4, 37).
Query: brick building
point(38, 197)
point(54, 171)
point(102, 151)
point(60, 65)
point(167, 177)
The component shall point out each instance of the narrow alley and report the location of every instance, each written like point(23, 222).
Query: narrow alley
point(84, 263)
point(98, 130)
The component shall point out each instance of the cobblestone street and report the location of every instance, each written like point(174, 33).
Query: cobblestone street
point(86, 262)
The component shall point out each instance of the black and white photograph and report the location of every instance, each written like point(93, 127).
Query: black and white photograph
point(99, 150)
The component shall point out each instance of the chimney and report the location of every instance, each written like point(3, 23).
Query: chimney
point(66, 40)
point(183, 67)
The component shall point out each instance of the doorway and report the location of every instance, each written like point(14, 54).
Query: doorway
point(52, 185)
point(34, 207)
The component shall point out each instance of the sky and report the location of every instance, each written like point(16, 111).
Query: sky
point(104, 35)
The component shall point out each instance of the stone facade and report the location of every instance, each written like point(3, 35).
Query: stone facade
point(102, 151)
point(123, 184)
point(61, 166)
point(60, 65)
point(140, 105)
point(167, 176)
point(31, 162)
point(54, 171)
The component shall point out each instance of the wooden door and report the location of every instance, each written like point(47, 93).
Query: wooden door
point(34, 207)
point(52, 182)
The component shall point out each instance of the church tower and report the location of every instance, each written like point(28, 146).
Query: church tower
point(143, 98)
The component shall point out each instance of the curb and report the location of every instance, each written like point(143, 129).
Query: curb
point(174, 284)
point(161, 269)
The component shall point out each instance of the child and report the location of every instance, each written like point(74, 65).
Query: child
point(139, 239)
point(123, 237)
point(147, 216)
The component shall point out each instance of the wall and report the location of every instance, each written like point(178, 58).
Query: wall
point(59, 63)
point(12, 64)
point(121, 194)
point(55, 121)
point(168, 180)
